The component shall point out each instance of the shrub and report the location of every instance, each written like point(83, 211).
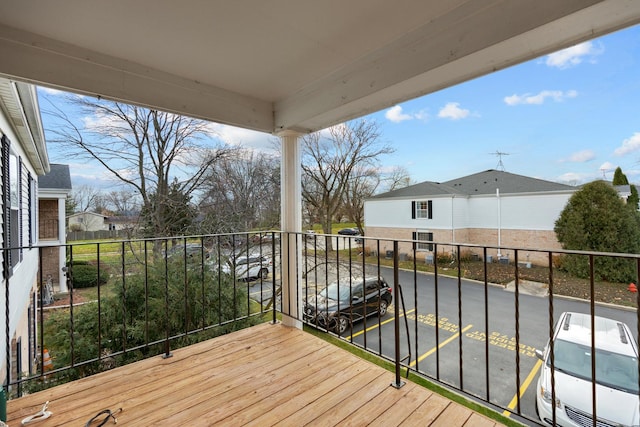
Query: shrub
point(86, 276)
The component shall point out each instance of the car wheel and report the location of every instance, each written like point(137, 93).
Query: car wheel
point(383, 308)
point(342, 323)
point(264, 272)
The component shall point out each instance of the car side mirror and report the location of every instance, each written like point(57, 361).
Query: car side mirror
point(540, 354)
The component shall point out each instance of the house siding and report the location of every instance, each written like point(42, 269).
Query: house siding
point(19, 282)
point(524, 220)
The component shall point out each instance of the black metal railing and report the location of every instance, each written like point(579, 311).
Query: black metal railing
point(469, 317)
point(134, 299)
point(477, 316)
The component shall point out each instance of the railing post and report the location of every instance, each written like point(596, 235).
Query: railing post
point(167, 347)
point(274, 310)
point(396, 314)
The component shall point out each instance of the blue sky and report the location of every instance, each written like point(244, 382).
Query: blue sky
point(570, 117)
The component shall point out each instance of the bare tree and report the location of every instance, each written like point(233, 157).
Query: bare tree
point(123, 203)
point(361, 186)
point(330, 162)
point(85, 198)
point(365, 183)
point(397, 178)
point(242, 192)
point(144, 149)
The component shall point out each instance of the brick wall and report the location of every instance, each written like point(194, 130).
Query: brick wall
point(487, 237)
point(50, 263)
point(48, 219)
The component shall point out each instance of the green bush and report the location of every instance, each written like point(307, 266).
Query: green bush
point(596, 219)
point(86, 276)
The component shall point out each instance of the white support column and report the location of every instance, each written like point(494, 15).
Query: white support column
point(291, 221)
point(62, 250)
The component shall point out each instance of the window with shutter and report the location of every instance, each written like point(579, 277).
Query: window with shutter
point(421, 209)
point(423, 237)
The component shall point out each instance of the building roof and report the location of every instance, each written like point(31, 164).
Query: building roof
point(486, 182)
point(58, 178)
point(87, 213)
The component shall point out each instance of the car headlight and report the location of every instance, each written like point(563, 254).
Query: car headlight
point(546, 395)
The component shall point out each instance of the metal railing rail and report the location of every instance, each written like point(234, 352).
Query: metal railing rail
point(158, 298)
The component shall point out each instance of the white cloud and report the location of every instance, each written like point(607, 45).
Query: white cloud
point(51, 91)
point(453, 111)
point(574, 55)
point(629, 145)
point(582, 156)
point(422, 115)
point(556, 95)
point(607, 166)
point(573, 178)
point(396, 115)
point(243, 137)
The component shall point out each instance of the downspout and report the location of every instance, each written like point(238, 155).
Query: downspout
point(453, 230)
point(499, 221)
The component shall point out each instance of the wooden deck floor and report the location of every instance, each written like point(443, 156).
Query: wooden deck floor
point(262, 376)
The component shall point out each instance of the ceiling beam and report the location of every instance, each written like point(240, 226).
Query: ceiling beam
point(42, 61)
point(460, 46)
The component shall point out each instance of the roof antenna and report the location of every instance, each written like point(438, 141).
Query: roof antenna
point(499, 154)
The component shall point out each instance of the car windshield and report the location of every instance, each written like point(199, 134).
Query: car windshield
point(337, 291)
point(613, 370)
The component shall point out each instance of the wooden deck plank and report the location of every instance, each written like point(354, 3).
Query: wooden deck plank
point(426, 413)
point(261, 376)
point(271, 399)
point(236, 396)
point(453, 415)
point(340, 395)
point(373, 409)
point(370, 393)
point(403, 408)
point(301, 400)
point(161, 379)
point(477, 420)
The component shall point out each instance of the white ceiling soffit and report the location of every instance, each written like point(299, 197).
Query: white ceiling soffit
point(20, 105)
point(285, 64)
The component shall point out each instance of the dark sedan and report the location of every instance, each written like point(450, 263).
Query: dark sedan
point(340, 304)
point(349, 232)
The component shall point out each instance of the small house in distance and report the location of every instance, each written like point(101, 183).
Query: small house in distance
point(493, 208)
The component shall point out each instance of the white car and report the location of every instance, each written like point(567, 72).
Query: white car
point(616, 374)
point(248, 267)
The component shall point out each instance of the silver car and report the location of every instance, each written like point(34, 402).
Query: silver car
point(248, 268)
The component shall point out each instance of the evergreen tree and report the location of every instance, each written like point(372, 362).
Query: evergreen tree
point(595, 219)
point(620, 178)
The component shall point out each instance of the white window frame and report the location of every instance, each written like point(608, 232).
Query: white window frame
point(422, 209)
point(424, 235)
